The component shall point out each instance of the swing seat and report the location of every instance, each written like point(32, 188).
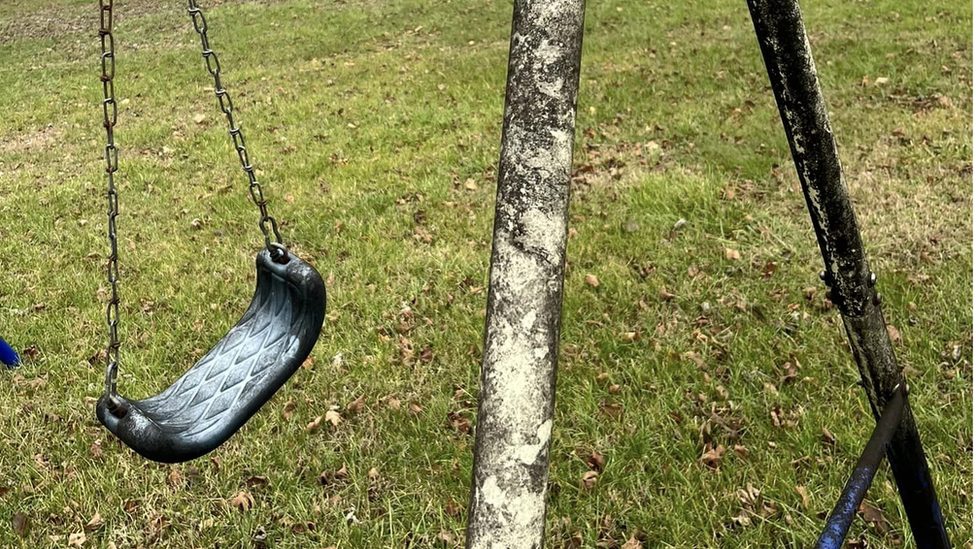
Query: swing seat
point(217, 396)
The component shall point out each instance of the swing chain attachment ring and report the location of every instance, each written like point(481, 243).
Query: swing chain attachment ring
point(267, 223)
point(110, 112)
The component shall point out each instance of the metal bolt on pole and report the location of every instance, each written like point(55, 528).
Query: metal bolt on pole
point(518, 371)
point(789, 62)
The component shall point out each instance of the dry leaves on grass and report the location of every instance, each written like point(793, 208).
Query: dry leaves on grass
point(712, 457)
point(20, 524)
point(589, 479)
point(596, 461)
point(330, 477)
point(289, 410)
point(632, 543)
point(333, 417)
point(243, 501)
point(357, 405)
point(872, 515)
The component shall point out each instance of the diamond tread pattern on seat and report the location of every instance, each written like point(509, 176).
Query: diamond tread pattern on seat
point(199, 399)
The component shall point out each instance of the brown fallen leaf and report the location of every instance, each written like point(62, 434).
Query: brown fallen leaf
point(632, 543)
point(333, 417)
point(20, 524)
point(328, 477)
point(357, 405)
point(592, 280)
point(452, 508)
point(174, 478)
point(589, 479)
point(827, 437)
point(289, 410)
point(596, 461)
point(77, 540)
point(732, 254)
point(314, 425)
point(446, 538)
point(742, 519)
point(872, 515)
point(712, 457)
point(894, 334)
point(614, 410)
point(243, 501)
point(95, 523)
point(804, 497)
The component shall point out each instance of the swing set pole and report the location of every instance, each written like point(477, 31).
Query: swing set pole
point(518, 371)
point(789, 62)
point(840, 519)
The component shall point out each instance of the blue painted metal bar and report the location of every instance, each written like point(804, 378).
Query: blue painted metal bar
point(8, 356)
point(839, 522)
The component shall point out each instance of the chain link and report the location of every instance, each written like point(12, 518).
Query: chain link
point(110, 114)
point(267, 223)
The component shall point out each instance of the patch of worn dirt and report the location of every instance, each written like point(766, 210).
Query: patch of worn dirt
point(31, 142)
point(60, 21)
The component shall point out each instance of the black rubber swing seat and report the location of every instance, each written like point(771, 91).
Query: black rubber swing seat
point(217, 396)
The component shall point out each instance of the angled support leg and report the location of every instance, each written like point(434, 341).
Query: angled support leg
point(840, 519)
point(518, 371)
point(789, 62)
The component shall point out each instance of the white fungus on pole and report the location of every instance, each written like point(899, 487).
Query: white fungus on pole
point(518, 374)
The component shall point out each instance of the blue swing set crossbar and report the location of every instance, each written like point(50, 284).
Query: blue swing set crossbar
point(839, 522)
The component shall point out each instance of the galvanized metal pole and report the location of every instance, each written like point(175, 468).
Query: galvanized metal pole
point(518, 371)
point(789, 62)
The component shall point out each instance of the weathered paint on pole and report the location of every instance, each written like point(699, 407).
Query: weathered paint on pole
point(840, 519)
point(789, 62)
point(518, 371)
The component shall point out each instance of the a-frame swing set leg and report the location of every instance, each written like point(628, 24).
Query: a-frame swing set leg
point(789, 62)
point(518, 374)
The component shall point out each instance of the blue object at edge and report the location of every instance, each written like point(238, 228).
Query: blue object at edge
point(7, 355)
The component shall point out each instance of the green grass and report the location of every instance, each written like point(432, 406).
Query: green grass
point(365, 120)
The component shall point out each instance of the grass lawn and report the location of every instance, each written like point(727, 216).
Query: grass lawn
point(376, 127)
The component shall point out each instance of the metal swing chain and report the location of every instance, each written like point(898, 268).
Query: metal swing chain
point(268, 224)
point(110, 112)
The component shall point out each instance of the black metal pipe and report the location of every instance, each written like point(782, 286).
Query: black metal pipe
point(857, 486)
point(518, 371)
point(793, 76)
